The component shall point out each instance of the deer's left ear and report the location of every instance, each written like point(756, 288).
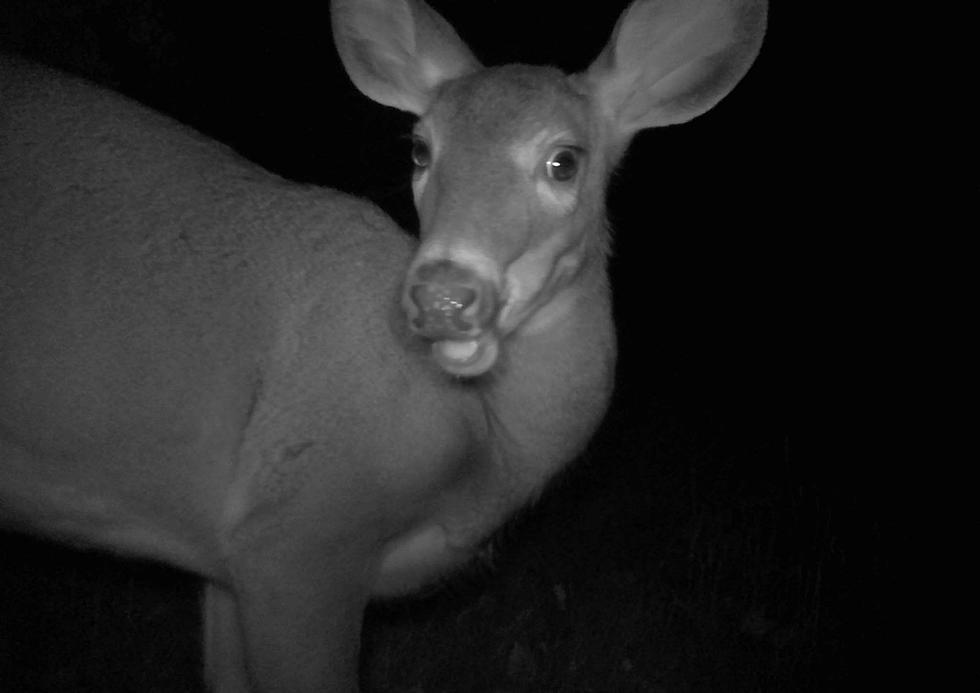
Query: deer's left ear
point(671, 60)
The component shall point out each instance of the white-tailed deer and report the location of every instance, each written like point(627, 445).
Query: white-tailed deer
point(270, 385)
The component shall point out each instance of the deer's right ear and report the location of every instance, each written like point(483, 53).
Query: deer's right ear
point(397, 52)
point(671, 60)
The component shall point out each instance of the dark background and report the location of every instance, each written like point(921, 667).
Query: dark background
point(696, 546)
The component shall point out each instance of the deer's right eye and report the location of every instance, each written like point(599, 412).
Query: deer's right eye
point(563, 165)
point(421, 154)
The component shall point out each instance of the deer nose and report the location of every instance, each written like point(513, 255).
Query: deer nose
point(449, 301)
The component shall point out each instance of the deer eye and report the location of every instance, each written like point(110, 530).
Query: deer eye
point(421, 154)
point(563, 165)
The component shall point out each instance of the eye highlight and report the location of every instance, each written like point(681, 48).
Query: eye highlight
point(421, 153)
point(564, 164)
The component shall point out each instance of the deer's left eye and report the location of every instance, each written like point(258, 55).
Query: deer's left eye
point(563, 165)
point(421, 154)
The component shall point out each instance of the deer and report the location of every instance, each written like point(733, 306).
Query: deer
point(273, 386)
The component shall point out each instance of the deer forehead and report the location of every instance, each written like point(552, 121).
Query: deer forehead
point(504, 110)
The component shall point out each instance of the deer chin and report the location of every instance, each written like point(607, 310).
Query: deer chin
point(467, 358)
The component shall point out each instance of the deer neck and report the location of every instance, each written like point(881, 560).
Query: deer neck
point(537, 409)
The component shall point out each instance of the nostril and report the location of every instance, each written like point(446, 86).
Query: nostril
point(461, 297)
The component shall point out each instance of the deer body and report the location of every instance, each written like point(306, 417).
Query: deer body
point(270, 385)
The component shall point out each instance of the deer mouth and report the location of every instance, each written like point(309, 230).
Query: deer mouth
point(456, 309)
point(468, 358)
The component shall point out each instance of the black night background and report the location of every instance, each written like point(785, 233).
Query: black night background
point(702, 543)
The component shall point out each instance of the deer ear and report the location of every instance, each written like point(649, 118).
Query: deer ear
point(671, 60)
point(397, 52)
